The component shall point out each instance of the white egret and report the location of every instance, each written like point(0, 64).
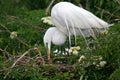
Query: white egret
point(73, 20)
point(55, 36)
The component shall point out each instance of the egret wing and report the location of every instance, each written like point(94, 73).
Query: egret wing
point(69, 18)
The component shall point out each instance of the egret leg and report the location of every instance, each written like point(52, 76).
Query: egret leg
point(48, 51)
point(75, 42)
point(69, 43)
point(69, 46)
point(64, 49)
point(49, 58)
point(60, 49)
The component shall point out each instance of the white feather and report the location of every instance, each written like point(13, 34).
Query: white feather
point(53, 35)
point(70, 18)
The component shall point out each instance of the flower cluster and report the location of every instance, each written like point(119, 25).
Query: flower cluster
point(102, 63)
point(13, 35)
point(81, 59)
point(74, 50)
point(47, 20)
point(104, 32)
point(97, 61)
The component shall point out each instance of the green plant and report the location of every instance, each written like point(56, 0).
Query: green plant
point(22, 20)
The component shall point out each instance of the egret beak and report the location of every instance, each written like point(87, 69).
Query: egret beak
point(48, 52)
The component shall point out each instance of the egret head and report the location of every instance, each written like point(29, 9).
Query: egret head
point(47, 40)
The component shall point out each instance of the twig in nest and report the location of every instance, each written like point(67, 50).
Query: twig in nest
point(20, 59)
point(38, 50)
point(5, 53)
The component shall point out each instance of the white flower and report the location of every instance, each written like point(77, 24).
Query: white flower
point(63, 53)
point(104, 32)
point(47, 20)
point(70, 50)
point(56, 51)
point(97, 66)
point(94, 63)
point(66, 49)
point(59, 52)
point(78, 48)
point(75, 52)
point(56, 54)
point(100, 57)
point(50, 23)
point(67, 53)
point(102, 63)
point(44, 18)
point(81, 58)
point(75, 48)
point(13, 35)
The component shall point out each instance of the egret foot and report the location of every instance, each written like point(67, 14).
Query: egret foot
point(49, 59)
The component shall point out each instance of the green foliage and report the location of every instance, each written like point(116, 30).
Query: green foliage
point(112, 44)
point(106, 9)
point(115, 75)
point(12, 7)
point(24, 17)
point(29, 28)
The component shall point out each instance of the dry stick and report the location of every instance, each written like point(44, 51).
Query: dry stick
point(1, 31)
point(107, 12)
point(5, 27)
point(36, 27)
point(15, 37)
point(48, 8)
point(25, 24)
point(38, 50)
point(87, 5)
point(19, 60)
point(113, 14)
point(22, 41)
point(4, 50)
point(101, 16)
point(118, 2)
point(5, 53)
